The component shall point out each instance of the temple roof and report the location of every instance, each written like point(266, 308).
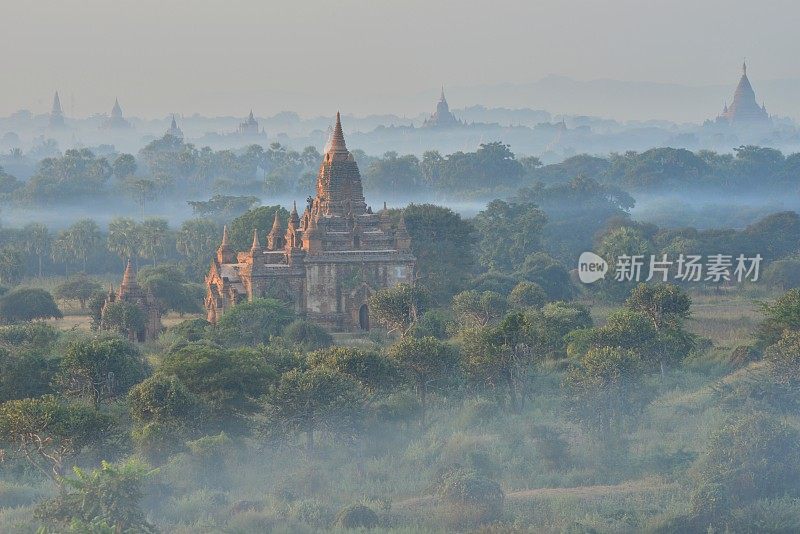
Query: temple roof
point(744, 107)
point(337, 139)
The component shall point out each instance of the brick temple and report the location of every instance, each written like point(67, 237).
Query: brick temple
point(330, 259)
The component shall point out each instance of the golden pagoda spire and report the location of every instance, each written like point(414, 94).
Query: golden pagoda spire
point(256, 244)
point(129, 278)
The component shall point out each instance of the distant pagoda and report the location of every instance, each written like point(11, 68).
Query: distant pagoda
point(116, 121)
point(56, 114)
point(174, 131)
point(442, 117)
point(744, 110)
point(249, 126)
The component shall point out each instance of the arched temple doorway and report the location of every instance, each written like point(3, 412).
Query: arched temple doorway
point(363, 317)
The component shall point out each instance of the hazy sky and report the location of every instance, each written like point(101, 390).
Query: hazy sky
point(361, 56)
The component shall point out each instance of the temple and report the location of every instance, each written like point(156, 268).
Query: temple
point(174, 131)
point(56, 113)
point(116, 121)
point(131, 292)
point(442, 117)
point(249, 126)
point(328, 261)
point(744, 110)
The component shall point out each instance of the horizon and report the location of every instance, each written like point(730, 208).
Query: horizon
point(222, 61)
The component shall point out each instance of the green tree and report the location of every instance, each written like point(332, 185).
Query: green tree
point(28, 304)
point(78, 287)
point(227, 380)
point(197, 241)
point(314, 400)
point(165, 414)
point(125, 318)
point(430, 364)
point(508, 233)
point(527, 295)
point(308, 335)
point(124, 238)
point(47, 431)
point(153, 234)
point(398, 308)
point(373, 371)
point(604, 385)
point(12, 264)
point(37, 242)
point(101, 368)
point(253, 322)
point(780, 315)
point(81, 240)
point(26, 373)
point(124, 166)
point(443, 244)
point(472, 307)
point(171, 289)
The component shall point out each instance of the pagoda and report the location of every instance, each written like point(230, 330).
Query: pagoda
point(116, 121)
point(249, 126)
point(324, 264)
point(442, 117)
point(174, 131)
point(744, 110)
point(56, 114)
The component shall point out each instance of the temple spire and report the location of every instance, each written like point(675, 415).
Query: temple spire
point(337, 139)
point(256, 244)
point(744, 68)
point(129, 278)
point(442, 98)
point(57, 105)
point(225, 241)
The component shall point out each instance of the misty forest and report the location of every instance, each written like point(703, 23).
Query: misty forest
point(211, 328)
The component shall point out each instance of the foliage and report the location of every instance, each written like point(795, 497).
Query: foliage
point(100, 368)
point(430, 364)
point(307, 401)
point(399, 307)
point(373, 371)
point(751, 456)
point(472, 307)
point(78, 287)
point(110, 495)
point(527, 295)
point(307, 334)
point(227, 380)
point(253, 322)
point(471, 497)
point(508, 233)
point(259, 219)
point(48, 431)
point(124, 318)
point(356, 516)
point(171, 289)
point(24, 304)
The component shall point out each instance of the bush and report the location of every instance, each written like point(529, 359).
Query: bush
point(254, 322)
point(749, 457)
point(26, 304)
point(190, 329)
point(356, 516)
point(308, 335)
point(470, 498)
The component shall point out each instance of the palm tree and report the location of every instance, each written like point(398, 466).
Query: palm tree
point(153, 233)
point(38, 241)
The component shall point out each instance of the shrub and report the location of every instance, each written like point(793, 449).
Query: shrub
point(749, 457)
point(469, 497)
point(356, 516)
point(27, 304)
point(309, 335)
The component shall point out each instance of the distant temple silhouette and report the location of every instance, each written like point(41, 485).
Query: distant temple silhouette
point(442, 117)
point(744, 110)
point(116, 121)
point(56, 114)
point(249, 126)
point(174, 131)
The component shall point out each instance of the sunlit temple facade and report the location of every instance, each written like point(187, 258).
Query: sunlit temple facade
point(328, 261)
